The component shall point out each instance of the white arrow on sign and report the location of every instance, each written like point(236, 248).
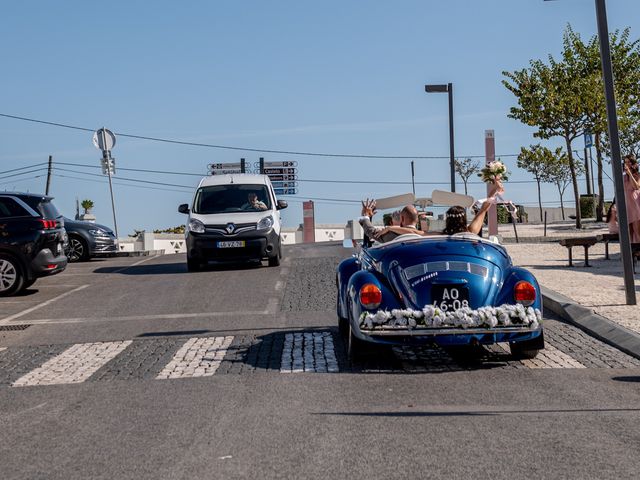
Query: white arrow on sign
point(104, 139)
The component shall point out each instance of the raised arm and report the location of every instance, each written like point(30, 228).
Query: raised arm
point(475, 226)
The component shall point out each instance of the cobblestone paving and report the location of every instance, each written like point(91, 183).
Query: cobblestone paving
point(277, 352)
point(75, 365)
point(198, 357)
point(590, 352)
point(311, 285)
point(142, 359)
point(17, 362)
point(248, 353)
point(308, 352)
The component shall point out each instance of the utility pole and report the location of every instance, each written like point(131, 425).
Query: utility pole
point(413, 178)
point(49, 170)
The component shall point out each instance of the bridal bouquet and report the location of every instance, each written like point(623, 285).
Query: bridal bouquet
point(493, 172)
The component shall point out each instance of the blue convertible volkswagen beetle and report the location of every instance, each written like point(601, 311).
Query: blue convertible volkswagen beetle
point(447, 290)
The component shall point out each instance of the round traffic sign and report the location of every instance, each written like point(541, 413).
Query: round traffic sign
point(104, 139)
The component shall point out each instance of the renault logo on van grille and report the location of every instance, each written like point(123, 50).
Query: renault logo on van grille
point(230, 228)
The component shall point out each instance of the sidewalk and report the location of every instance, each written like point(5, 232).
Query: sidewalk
point(599, 287)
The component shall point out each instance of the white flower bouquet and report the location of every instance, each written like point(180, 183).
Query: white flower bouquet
point(494, 172)
point(432, 317)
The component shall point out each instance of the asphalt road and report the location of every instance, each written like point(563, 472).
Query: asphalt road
point(95, 382)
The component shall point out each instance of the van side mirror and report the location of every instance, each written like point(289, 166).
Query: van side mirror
point(184, 208)
point(281, 205)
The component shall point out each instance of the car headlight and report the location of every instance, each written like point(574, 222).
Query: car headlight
point(266, 223)
point(98, 233)
point(196, 226)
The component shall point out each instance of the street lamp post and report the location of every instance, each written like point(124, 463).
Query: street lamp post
point(616, 160)
point(447, 88)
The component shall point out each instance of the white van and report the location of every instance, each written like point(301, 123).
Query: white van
point(233, 217)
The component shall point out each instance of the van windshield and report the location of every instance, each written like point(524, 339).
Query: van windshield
point(231, 198)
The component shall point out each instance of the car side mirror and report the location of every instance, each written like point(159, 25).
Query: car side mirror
point(184, 208)
point(281, 205)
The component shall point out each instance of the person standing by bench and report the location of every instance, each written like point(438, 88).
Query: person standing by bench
point(631, 181)
point(612, 219)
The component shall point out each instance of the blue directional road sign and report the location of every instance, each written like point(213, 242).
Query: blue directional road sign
point(588, 140)
point(285, 191)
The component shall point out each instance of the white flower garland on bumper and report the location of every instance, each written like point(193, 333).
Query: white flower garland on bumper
point(432, 317)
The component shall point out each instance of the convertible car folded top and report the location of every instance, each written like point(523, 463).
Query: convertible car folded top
point(447, 290)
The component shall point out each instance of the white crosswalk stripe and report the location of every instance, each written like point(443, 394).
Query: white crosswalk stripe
point(198, 357)
point(549, 357)
point(76, 364)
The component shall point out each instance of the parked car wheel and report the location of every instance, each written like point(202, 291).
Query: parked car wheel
point(11, 276)
point(274, 261)
point(527, 349)
point(78, 250)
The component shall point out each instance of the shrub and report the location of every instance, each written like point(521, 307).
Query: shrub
point(586, 205)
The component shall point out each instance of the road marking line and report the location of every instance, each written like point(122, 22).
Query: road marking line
point(161, 316)
point(8, 319)
point(198, 357)
point(76, 364)
point(134, 264)
point(272, 306)
point(308, 352)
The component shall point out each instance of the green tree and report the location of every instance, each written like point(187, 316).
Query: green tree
point(549, 98)
point(87, 205)
point(536, 160)
point(466, 168)
point(558, 172)
point(178, 229)
point(625, 56)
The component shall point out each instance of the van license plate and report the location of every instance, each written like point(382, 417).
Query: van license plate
point(234, 244)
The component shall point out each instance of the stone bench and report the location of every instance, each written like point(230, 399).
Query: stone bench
point(606, 238)
point(585, 242)
point(614, 237)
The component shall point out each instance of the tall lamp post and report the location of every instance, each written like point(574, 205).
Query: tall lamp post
point(447, 88)
point(616, 160)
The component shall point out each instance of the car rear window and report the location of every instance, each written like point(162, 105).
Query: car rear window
point(10, 208)
point(231, 198)
point(43, 206)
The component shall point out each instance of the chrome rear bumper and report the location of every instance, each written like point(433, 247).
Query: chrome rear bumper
point(433, 332)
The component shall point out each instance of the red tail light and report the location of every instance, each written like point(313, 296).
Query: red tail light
point(370, 296)
point(524, 293)
point(48, 224)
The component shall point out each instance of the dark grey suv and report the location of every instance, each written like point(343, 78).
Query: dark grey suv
point(87, 240)
point(31, 240)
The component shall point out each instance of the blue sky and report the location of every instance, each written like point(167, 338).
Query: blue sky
point(333, 76)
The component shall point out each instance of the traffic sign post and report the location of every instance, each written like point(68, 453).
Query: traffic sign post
point(283, 175)
point(227, 168)
point(105, 140)
point(588, 140)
